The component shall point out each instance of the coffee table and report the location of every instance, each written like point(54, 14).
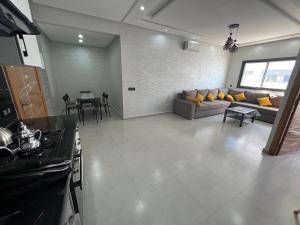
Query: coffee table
point(241, 113)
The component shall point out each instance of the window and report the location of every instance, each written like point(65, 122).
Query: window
point(266, 74)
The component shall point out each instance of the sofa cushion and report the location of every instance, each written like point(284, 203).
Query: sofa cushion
point(240, 97)
point(264, 101)
point(214, 91)
point(276, 101)
point(225, 90)
point(235, 91)
point(221, 95)
point(190, 93)
point(253, 96)
point(223, 103)
point(203, 92)
point(272, 111)
point(229, 98)
point(206, 105)
point(210, 96)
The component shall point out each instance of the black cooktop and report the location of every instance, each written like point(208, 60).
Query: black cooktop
point(49, 142)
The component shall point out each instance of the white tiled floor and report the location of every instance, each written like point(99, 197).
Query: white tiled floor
point(165, 170)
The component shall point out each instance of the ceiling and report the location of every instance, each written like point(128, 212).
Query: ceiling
point(260, 20)
point(70, 35)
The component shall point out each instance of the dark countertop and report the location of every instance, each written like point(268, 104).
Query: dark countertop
point(44, 205)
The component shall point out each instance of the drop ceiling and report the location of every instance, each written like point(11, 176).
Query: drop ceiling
point(70, 35)
point(260, 20)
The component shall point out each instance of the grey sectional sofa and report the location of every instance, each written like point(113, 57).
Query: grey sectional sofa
point(190, 110)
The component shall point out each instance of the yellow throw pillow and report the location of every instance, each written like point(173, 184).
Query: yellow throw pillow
point(229, 98)
point(210, 96)
point(200, 97)
point(221, 95)
point(193, 100)
point(240, 97)
point(264, 101)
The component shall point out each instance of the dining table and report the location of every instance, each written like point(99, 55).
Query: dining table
point(88, 101)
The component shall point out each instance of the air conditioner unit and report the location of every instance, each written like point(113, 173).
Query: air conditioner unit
point(191, 46)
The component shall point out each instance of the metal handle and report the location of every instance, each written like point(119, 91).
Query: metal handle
point(79, 183)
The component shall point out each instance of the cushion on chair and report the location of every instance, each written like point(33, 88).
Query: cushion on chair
point(203, 92)
point(253, 96)
point(229, 98)
point(210, 96)
point(276, 101)
point(191, 93)
point(264, 101)
point(240, 97)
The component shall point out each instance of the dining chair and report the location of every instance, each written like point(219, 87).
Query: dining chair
point(69, 105)
point(105, 103)
point(87, 105)
point(98, 106)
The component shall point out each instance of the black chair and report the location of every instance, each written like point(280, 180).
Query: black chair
point(69, 104)
point(105, 103)
point(87, 105)
point(98, 106)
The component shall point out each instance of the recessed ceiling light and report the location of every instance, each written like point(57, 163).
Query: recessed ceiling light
point(80, 35)
point(142, 8)
point(166, 30)
point(80, 40)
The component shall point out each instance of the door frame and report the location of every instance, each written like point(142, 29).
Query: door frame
point(286, 114)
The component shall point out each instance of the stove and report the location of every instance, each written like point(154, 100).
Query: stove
point(31, 168)
point(48, 143)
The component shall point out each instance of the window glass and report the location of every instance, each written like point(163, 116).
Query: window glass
point(278, 74)
point(267, 75)
point(253, 74)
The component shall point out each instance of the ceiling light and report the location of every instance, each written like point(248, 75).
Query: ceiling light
point(230, 43)
point(80, 36)
point(166, 30)
point(142, 8)
point(80, 40)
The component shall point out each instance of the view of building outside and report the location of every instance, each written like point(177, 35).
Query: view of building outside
point(269, 75)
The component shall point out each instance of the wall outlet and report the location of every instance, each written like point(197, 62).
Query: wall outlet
point(131, 89)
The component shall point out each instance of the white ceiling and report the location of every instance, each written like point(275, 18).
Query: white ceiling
point(70, 35)
point(260, 20)
point(107, 9)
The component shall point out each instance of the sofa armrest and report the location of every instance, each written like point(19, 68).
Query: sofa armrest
point(184, 108)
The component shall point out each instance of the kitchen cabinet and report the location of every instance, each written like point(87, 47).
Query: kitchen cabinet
point(34, 57)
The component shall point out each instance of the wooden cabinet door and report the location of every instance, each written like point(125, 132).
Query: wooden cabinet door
point(25, 86)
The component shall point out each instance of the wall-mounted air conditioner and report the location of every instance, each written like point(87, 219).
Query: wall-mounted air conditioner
point(191, 46)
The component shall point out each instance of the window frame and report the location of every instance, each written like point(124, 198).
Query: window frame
point(265, 72)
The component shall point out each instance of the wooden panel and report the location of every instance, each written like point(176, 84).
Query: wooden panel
point(291, 141)
point(25, 86)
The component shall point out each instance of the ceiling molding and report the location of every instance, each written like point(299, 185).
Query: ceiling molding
point(129, 10)
point(198, 36)
point(160, 8)
point(280, 10)
point(281, 38)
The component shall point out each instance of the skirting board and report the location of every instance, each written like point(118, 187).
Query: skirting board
point(148, 114)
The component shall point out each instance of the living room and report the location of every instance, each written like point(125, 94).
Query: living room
point(173, 149)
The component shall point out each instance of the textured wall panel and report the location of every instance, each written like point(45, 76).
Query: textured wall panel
point(157, 66)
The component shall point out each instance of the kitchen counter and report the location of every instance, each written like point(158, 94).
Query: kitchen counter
point(45, 205)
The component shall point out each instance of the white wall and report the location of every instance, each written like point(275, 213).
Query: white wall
point(152, 62)
point(157, 66)
point(115, 75)
point(50, 83)
point(77, 68)
point(286, 48)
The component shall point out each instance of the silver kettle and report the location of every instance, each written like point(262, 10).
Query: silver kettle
point(5, 136)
